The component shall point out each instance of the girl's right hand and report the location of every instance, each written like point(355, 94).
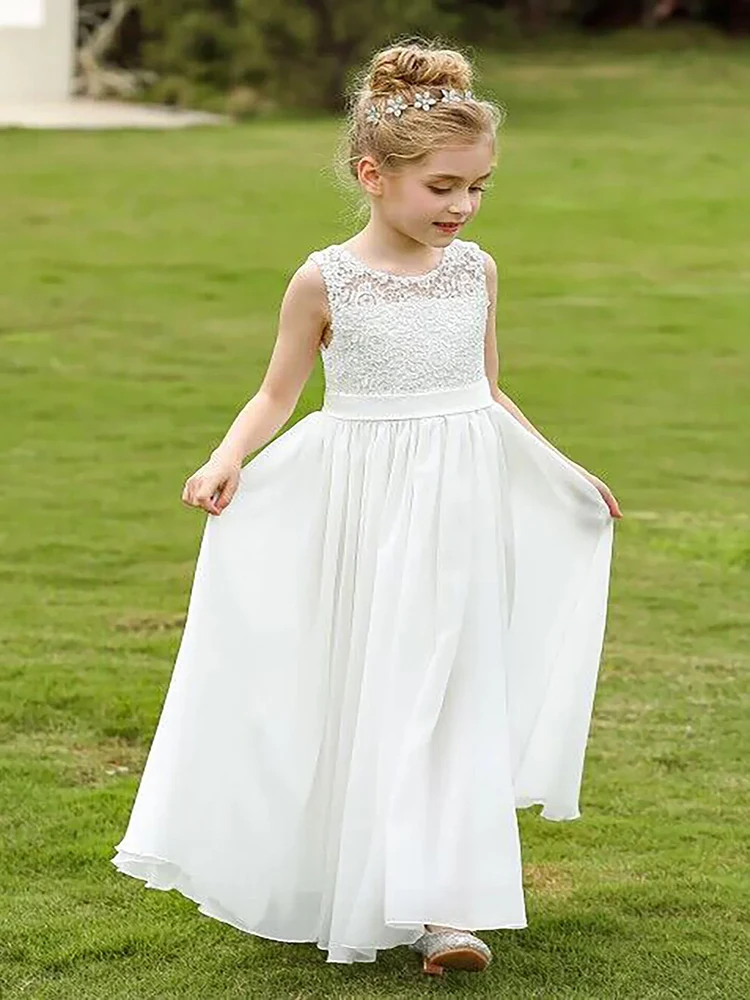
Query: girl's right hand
point(212, 486)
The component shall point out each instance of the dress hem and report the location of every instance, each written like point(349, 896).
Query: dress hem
point(181, 881)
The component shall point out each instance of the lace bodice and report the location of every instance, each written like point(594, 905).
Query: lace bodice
point(396, 334)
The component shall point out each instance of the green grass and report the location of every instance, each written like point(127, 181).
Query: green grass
point(140, 276)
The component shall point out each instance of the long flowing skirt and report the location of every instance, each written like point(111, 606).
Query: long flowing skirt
point(392, 643)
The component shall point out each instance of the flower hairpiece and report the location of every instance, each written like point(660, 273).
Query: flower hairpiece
point(423, 101)
point(395, 105)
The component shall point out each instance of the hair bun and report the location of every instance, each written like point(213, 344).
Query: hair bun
point(409, 67)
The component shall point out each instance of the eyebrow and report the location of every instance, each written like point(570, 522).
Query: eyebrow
point(455, 177)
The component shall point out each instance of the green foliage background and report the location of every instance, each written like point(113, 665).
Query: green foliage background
point(296, 53)
point(300, 54)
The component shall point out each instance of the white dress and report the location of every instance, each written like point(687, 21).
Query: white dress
point(392, 642)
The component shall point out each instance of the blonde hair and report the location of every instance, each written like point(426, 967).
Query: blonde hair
point(404, 70)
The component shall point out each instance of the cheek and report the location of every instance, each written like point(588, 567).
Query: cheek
point(419, 203)
point(410, 203)
point(427, 204)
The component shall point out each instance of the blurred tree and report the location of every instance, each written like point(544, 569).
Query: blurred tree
point(108, 41)
point(195, 39)
point(303, 51)
point(732, 16)
point(296, 52)
point(533, 16)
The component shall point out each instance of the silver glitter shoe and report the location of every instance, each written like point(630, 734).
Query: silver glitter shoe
point(451, 949)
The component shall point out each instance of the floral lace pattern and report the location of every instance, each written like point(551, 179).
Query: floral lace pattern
point(404, 333)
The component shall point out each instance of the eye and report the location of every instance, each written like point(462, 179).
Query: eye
point(438, 190)
point(477, 187)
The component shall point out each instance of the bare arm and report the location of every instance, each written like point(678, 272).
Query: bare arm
point(302, 321)
point(492, 363)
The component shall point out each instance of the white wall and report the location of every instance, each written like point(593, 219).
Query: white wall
point(36, 49)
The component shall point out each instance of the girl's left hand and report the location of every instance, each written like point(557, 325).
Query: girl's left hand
point(607, 495)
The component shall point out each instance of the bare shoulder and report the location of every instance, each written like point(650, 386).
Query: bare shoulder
point(490, 274)
point(490, 267)
point(305, 296)
point(307, 282)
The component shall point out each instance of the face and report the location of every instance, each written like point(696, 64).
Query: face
point(432, 200)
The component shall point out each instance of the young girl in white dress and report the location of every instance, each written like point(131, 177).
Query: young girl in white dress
point(397, 615)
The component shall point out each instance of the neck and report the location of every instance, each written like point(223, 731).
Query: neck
point(379, 240)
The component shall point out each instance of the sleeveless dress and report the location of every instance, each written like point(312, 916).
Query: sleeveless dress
point(392, 643)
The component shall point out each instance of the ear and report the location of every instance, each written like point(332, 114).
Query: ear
point(369, 176)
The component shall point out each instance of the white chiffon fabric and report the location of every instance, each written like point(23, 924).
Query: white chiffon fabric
point(392, 642)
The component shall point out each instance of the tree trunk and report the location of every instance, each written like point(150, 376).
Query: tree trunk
point(94, 78)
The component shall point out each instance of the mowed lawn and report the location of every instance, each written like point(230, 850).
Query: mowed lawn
point(140, 276)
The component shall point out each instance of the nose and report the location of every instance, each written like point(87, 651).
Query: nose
point(462, 206)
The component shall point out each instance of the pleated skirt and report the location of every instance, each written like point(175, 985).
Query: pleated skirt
point(392, 643)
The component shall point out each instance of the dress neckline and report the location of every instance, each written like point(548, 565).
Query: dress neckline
point(393, 274)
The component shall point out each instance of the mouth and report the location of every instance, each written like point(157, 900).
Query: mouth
point(448, 227)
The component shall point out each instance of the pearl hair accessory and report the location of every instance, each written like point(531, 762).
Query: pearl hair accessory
point(423, 101)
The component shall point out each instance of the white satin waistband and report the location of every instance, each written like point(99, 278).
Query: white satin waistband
point(347, 406)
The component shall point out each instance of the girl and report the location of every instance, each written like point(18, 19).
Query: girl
point(397, 616)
